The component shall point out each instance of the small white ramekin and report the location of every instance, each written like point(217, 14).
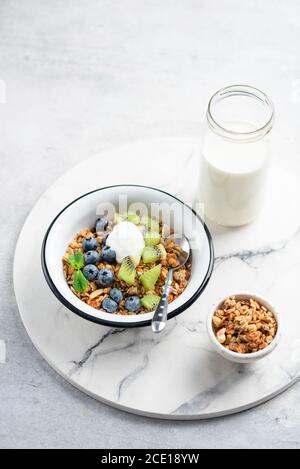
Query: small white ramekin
point(243, 357)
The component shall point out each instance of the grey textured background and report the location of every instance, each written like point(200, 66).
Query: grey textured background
point(86, 75)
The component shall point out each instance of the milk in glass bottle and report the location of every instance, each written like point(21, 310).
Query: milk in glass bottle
point(236, 155)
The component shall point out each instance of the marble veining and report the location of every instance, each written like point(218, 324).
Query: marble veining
point(91, 350)
point(251, 257)
point(203, 399)
point(125, 366)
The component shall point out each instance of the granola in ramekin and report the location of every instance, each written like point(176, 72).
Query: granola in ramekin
point(244, 326)
point(99, 279)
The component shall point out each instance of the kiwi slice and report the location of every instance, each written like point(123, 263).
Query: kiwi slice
point(127, 270)
point(148, 279)
point(133, 218)
point(150, 223)
point(153, 253)
point(152, 238)
point(150, 301)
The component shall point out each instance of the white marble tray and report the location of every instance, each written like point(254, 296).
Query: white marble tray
point(174, 375)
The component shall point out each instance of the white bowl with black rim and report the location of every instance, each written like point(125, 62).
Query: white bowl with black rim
point(81, 213)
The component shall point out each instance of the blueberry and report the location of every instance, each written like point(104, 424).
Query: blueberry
point(109, 305)
point(105, 277)
point(108, 255)
point(90, 271)
point(101, 224)
point(105, 239)
point(116, 295)
point(90, 244)
point(133, 303)
point(91, 257)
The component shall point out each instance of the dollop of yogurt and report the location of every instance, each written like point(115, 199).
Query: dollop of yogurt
point(126, 240)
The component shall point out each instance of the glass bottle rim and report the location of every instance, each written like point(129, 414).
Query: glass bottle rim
point(242, 90)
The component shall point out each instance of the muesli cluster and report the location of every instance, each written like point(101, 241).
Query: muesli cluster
point(129, 285)
point(244, 326)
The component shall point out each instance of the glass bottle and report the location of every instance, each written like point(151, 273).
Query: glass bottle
point(236, 155)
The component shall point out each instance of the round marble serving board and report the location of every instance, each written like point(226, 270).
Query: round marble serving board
point(176, 374)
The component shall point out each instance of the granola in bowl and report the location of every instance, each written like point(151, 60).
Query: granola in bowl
point(80, 214)
point(120, 266)
point(244, 328)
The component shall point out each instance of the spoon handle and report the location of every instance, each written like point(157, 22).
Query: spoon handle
point(160, 316)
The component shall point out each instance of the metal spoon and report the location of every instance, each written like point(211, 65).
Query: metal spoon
point(160, 316)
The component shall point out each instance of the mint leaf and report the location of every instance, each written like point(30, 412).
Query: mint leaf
point(80, 283)
point(76, 260)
